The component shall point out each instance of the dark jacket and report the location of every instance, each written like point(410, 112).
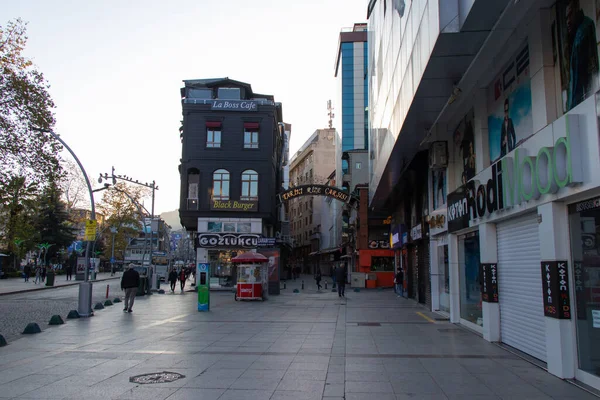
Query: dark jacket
point(173, 276)
point(340, 275)
point(130, 279)
point(318, 276)
point(399, 277)
point(182, 275)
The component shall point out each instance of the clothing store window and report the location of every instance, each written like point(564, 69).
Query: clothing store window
point(470, 290)
point(585, 248)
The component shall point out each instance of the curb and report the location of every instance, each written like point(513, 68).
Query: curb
point(55, 287)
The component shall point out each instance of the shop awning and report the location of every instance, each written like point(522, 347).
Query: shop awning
point(250, 257)
point(313, 253)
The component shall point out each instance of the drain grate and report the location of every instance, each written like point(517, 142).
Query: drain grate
point(368, 324)
point(156, 377)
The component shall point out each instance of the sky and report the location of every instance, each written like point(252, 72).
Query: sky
point(115, 68)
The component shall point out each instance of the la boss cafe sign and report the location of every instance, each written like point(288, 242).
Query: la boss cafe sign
point(522, 177)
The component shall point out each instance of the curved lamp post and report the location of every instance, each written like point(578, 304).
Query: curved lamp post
point(85, 287)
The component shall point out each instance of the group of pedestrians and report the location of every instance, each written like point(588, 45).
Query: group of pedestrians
point(338, 275)
point(182, 276)
point(39, 272)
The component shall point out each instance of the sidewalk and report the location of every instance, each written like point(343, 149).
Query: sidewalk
point(308, 345)
point(18, 285)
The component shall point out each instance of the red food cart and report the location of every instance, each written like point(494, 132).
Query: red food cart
point(252, 276)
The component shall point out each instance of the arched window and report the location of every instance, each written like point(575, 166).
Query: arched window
point(220, 185)
point(249, 185)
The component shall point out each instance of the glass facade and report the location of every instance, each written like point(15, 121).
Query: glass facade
point(470, 290)
point(444, 278)
point(585, 248)
point(347, 96)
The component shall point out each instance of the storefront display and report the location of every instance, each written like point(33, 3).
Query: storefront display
point(470, 291)
point(584, 221)
point(222, 271)
point(444, 278)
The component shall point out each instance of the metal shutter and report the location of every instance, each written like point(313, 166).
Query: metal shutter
point(522, 323)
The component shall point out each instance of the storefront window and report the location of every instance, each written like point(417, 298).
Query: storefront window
point(229, 227)
point(585, 247)
point(470, 290)
point(244, 227)
point(222, 271)
point(215, 226)
point(444, 278)
point(381, 264)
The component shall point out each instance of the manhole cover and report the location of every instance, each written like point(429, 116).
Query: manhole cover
point(369, 324)
point(156, 377)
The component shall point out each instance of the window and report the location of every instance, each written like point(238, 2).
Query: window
point(358, 165)
point(229, 227)
point(310, 218)
point(213, 138)
point(249, 185)
point(221, 185)
point(215, 226)
point(251, 135)
point(244, 227)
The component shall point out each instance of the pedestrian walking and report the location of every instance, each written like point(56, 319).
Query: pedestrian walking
point(182, 277)
point(129, 283)
point(43, 274)
point(69, 272)
point(333, 277)
point(26, 272)
point(318, 278)
point(399, 281)
point(38, 275)
point(173, 279)
point(340, 275)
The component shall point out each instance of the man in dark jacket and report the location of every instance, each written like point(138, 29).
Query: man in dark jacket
point(399, 282)
point(173, 279)
point(340, 277)
point(130, 282)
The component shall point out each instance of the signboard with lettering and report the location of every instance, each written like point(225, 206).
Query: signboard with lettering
point(90, 230)
point(379, 244)
point(555, 286)
point(234, 105)
point(579, 289)
point(458, 210)
point(228, 240)
point(266, 242)
point(489, 287)
point(234, 205)
point(416, 232)
point(315, 190)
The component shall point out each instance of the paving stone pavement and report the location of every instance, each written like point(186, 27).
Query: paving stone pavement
point(310, 345)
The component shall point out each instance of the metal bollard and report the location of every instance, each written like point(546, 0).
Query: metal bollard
point(107, 286)
point(325, 284)
point(302, 284)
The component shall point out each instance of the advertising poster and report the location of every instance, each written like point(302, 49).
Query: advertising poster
point(575, 36)
point(509, 102)
point(438, 186)
point(464, 148)
point(273, 267)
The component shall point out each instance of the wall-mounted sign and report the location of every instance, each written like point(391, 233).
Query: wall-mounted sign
point(579, 289)
point(489, 287)
point(416, 232)
point(228, 240)
point(437, 222)
point(314, 190)
point(458, 210)
point(585, 205)
point(379, 244)
point(234, 205)
point(266, 242)
point(405, 238)
point(555, 286)
point(234, 105)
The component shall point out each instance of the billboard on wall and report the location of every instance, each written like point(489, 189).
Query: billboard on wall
point(273, 267)
point(509, 102)
point(464, 147)
point(575, 37)
point(438, 187)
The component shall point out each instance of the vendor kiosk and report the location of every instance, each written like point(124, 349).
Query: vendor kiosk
point(252, 276)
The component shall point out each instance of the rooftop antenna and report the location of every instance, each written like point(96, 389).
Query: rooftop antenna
point(330, 114)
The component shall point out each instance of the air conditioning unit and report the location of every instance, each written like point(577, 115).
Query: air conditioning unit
point(438, 155)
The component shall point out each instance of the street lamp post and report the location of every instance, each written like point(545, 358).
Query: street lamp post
point(154, 188)
point(113, 230)
point(85, 287)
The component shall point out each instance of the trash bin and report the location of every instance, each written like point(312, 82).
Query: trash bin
point(142, 287)
point(50, 278)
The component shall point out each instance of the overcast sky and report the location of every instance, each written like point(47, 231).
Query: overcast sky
point(115, 68)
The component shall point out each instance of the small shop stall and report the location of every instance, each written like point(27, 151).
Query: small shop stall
point(252, 276)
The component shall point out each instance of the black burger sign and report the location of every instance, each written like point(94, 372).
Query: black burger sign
point(228, 240)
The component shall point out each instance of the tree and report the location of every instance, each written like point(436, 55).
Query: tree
point(24, 104)
point(53, 222)
point(74, 186)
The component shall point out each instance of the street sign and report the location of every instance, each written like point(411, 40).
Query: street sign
point(90, 230)
point(112, 260)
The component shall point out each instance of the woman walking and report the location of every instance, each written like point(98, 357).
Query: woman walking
point(38, 275)
point(318, 279)
point(182, 278)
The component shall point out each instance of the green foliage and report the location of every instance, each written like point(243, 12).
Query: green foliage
point(53, 222)
point(24, 103)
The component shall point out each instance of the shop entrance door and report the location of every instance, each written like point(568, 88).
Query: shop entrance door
point(421, 274)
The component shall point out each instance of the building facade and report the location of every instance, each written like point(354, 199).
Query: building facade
point(231, 170)
point(503, 96)
point(311, 164)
